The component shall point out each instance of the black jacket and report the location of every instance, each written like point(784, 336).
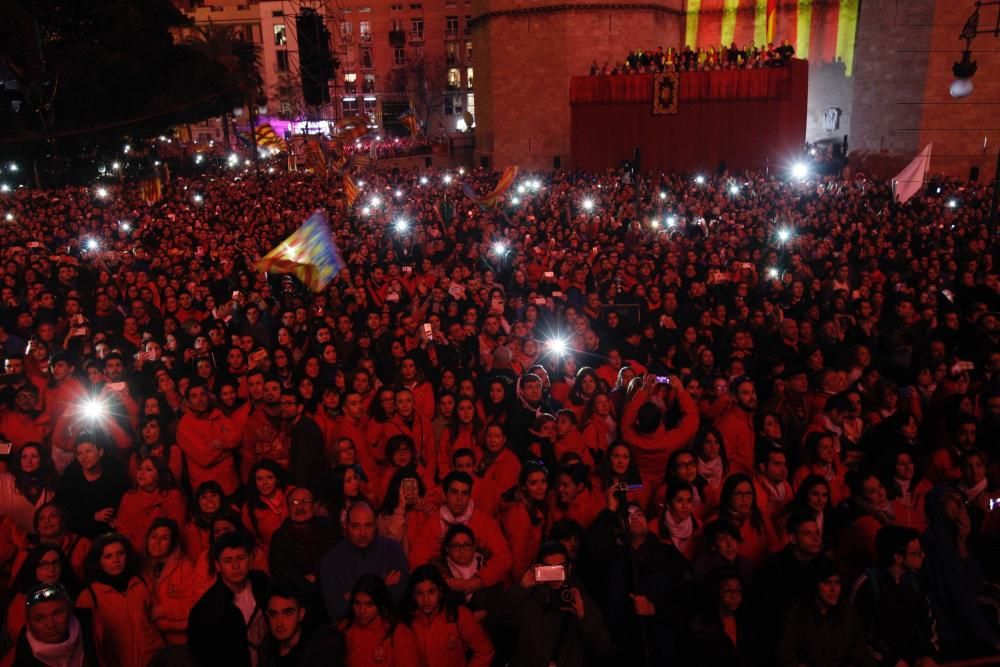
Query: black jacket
point(710, 646)
point(833, 639)
point(896, 617)
point(298, 550)
point(23, 657)
point(83, 498)
point(308, 461)
point(217, 633)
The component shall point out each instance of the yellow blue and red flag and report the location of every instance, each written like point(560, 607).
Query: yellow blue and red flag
point(491, 199)
point(309, 253)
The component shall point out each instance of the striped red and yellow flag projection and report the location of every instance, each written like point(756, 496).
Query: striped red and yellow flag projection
point(820, 30)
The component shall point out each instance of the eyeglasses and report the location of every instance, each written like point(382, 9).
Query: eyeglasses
point(461, 546)
point(49, 564)
point(299, 502)
point(742, 494)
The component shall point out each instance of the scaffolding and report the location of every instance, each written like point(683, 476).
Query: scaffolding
point(331, 16)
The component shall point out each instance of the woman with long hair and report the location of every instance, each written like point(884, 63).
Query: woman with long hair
point(495, 462)
point(52, 526)
point(709, 450)
point(412, 377)
point(156, 439)
point(410, 422)
point(344, 491)
point(460, 434)
point(598, 426)
point(400, 453)
point(30, 484)
point(676, 523)
point(44, 564)
point(446, 634)
point(209, 502)
point(868, 511)
point(155, 496)
point(121, 600)
point(738, 506)
point(820, 458)
point(683, 466)
point(497, 403)
point(375, 638)
point(405, 507)
point(522, 516)
point(812, 498)
point(171, 576)
point(907, 489)
point(265, 510)
point(585, 385)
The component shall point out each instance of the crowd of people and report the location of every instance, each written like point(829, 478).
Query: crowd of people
point(710, 420)
point(699, 60)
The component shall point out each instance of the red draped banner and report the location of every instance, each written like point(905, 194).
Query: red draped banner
point(745, 118)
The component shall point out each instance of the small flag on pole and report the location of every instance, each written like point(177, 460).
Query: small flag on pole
point(309, 254)
point(151, 190)
point(911, 180)
point(411, 123)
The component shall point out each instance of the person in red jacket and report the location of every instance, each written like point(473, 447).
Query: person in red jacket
point(414, 380)
point(374, 637)
point(770, 480)
point(458, 507)
point(171, 577)
point(522, 517)
point(598, 427)
point(155, 496)
point(121, 601)
point(642, 427)
point(351, 424)
point(409, 422)
point(736, 426)
point(497, 464)
point(445, 632)
point(265, 509)
point(573, 497)
point(569, 440)
point(208, 438)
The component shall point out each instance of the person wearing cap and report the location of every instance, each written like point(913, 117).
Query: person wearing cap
point(55, 633)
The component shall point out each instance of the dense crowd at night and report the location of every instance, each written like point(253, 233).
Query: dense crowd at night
point(709, 420)
point(701, 59)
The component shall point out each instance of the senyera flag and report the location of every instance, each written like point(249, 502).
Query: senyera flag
point(491, 199)
point(309, 254)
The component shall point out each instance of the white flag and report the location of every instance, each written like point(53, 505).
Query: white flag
point(911, 180)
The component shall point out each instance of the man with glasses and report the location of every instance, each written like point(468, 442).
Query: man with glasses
point(307, 458)
point(55, 633)
point(298, 546)
point(895, 613)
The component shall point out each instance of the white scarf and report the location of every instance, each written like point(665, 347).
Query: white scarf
point(64, 654)
point(973, 492)
point(448, 519)
point(680, 532)
point(711, 471)
point(466, 572)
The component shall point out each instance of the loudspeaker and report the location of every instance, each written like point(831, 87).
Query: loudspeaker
point(316, 66)
point(974, 174)
point(557, 162)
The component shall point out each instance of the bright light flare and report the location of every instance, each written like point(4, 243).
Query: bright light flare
point(734, 189)
point(699, 179)
point(534, 185)
point(800, 171)
point(361, 184)
point(784, 235)
point(461, 171)
point(500, 248)
point(4, 187)
point(116, 166)
point(13, 167)
point(671, 220)
point(366, 210)
point(102, 193)
point(9, 217)
point(94, 409)
point(588, 204)
point(375, 201)
point(521, 189)
point(125, 226)
point(447, 179)
point(663, 195)
point(952, 203)
point(558, 346)
point(773, 273)
point(515, 201)
point(654, 223)
point(423, 180)
point(401, 226)
point(397, 194)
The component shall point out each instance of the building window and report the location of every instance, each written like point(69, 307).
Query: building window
point(366, 59)
point(468, 78)
point(397, 25)
point(417, 7)
point(350, 105)
point(282, 63)
point(454, 79)
point(452, 105)
point(351, 82)
point(365, 28)
point(468, 26)
point(450, 3)
point(451, 27)
point(369, 105)
point(346, 27)
point(396, 8)
point(277, 12)
point(470, 104)
point(399, 56)
point(417, 28)
point(468, 52)
point(364, 10)
point(280, 36)
point(451, 53)
point(369, 84)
